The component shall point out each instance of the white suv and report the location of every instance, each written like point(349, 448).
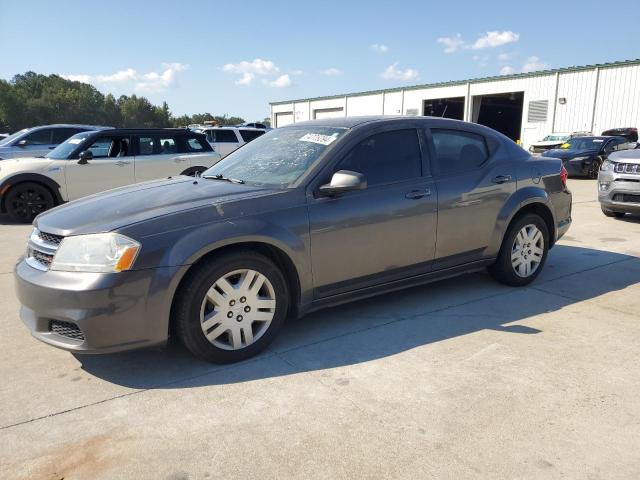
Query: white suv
point(225, 140)
point(94, 161)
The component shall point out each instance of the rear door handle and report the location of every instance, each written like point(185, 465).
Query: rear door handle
point(502, 179)
point(416, 194)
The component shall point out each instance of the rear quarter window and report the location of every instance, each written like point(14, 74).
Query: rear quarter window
point(194, 145)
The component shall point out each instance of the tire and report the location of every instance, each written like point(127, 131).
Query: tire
point(25, 201)
point(228, 323)
point(609, 213)
point(595, 168)
point(504, 269)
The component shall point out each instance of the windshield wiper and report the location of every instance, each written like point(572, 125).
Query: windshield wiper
point(222, 177)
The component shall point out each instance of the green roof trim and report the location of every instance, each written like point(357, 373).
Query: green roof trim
point(453, 83)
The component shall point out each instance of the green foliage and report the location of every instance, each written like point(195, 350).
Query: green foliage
point(33, 99)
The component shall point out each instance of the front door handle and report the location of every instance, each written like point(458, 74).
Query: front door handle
point(502, 179)
point(122, 163)
point(416, 194)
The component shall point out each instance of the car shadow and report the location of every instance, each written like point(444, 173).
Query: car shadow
point(386, 325)
point(7, 220)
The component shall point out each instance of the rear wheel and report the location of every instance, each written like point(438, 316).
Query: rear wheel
point(609, 213)
point(523, 252)
point(231, 307)
point(25, 201)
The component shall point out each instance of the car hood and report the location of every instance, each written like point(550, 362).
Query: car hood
point(124, 206)
point(626, 156)
point(568, 154)
point(22, 164)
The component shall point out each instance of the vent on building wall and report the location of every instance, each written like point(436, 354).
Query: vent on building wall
point(538, 111)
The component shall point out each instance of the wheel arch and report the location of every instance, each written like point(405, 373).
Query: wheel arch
point(269, 250)
point(49, 183)
point(527, 200)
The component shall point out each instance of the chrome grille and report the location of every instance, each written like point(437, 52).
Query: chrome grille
point(633, 168)
point(41, 248)
point(66, 329)
point(626, 198)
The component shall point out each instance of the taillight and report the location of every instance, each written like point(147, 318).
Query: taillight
point(563, 175)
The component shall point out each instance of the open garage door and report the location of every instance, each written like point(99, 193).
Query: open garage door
point(323, 113)
point(284, 118)
point(500, 111)
point(444, 108)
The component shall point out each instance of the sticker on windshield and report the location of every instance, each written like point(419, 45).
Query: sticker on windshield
point(319, 138)
point(565, 145)
point(75, 141)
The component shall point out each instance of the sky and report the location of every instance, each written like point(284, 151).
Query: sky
point(235, 57)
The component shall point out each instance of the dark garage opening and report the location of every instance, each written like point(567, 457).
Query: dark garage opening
point(444, 107)
point(501, 111)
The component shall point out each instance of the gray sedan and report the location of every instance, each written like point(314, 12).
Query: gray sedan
point(305, 217)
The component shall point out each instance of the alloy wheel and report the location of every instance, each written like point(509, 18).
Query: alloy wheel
point(527, 251)
point(238, 309)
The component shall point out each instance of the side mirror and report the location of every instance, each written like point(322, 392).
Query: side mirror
point(22, 143)
point(85, 156)
point(343, 181)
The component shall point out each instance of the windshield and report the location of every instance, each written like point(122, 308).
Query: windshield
point(583, 143)
point(62, 151)
point(11, 138)
point(555, 138)
point(277, 158)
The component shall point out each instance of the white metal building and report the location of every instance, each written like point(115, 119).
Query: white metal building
point(525, 106)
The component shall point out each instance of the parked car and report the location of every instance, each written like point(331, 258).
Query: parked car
point(554, 141)
point(38, 141)
point(94, 161)
point(254, 125)
point(225, 140)
point(583, 156)
point(630, 133)
point(307, 216)
point(619, 184)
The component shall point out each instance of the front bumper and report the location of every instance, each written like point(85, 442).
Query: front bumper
point(96, 312)
point(622, 192)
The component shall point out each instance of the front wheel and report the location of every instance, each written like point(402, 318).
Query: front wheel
point(231, 307)
point(523, 253)
point(25, 201)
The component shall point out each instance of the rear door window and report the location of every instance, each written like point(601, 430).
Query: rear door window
point(458, 151)
point(168, 145)
point(248, 135)
point(61, 134)
point(146, 145)
point(220, 135)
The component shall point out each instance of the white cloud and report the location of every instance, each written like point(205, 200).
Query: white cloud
point(379, 48)
point(130, 78)
point(392, 72)
point(281, 81)
point(256, 67)
point(495, 39)
point(504, 57)
point(533, 63)
point(332, 72)
point(451, 44)
point(245, 79)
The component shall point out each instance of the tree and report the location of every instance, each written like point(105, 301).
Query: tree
point(33, 99)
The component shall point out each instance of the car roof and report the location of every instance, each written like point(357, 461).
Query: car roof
point(180, 131)
point(350, 122)
point(71, 125)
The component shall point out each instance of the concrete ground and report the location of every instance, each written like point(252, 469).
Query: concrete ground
point(460, 379)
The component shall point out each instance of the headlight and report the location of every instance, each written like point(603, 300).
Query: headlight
point(100, 252)
point(607, 166)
